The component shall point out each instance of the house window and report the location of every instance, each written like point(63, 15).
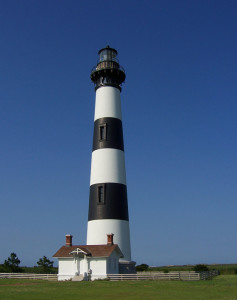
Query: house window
point(102, 132)
point(101, 194)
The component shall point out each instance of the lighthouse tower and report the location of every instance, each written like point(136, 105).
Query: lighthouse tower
point(108, 207)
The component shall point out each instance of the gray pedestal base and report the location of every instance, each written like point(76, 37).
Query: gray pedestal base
point(127, 267)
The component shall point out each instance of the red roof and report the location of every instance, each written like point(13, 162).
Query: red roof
point(90, 250)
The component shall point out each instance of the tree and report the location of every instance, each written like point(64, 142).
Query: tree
point(45, 264)
point(142, 267)
point(12, 263)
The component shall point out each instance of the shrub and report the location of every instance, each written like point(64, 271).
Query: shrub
point(200, 268)
point(142, 267)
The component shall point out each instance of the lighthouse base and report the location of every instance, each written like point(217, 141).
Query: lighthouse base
point(97, 231)
point(127, 267)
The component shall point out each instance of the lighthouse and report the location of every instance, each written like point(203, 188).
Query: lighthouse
point(108, 204)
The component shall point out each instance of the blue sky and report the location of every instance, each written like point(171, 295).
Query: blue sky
point(179, 119)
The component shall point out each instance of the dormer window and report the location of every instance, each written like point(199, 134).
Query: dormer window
point(103, 132)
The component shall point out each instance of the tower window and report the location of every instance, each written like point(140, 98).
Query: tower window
point(102, 132)
point(101, 194)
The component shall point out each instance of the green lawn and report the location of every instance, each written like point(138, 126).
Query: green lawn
point(221, 287)
point(225, 269)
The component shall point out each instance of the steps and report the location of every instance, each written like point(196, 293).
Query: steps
point(79, 277)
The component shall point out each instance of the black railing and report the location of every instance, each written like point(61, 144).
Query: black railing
point(107, 64)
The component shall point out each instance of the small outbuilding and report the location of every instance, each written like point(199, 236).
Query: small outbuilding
point(87, 262)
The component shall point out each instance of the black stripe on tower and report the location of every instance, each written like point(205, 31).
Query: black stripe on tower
point(108, 133)
point(108, 80)
point(108, 201)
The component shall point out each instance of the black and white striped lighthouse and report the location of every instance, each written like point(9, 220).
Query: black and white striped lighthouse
point(108, 207)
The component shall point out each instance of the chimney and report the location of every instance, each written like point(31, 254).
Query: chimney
point(110, 239)
point(68, 240)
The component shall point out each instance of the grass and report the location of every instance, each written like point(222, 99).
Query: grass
point(221, 287)
point(224, 269)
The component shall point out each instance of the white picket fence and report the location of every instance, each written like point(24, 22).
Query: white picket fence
point(183, 275)
point(52, 277)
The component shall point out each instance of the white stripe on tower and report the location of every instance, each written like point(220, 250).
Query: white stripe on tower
point(108, 165)
point(108, 209)
point(108, 103)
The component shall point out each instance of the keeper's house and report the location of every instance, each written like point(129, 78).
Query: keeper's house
point(87, 262)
